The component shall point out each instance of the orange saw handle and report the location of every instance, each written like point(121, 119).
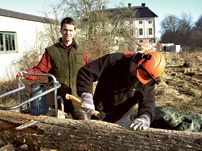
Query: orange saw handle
point(71, 97)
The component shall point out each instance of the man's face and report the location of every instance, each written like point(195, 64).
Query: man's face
point(67, 32)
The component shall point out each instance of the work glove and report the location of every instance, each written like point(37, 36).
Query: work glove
point(87, 103)
point(141, 123)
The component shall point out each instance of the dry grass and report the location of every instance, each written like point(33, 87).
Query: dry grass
point(181, 83)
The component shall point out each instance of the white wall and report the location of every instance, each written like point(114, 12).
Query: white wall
point(145, 26)
point(26, 32)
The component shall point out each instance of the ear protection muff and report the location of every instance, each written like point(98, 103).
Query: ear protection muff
point(144, 57)
point(136, 58)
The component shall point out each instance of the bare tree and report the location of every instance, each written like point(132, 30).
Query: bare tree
point(100, 28)
point(54, 13)
point(198, 24)
point(169, 26)
point(184, 30)
point(197, 33)
point(176, 30)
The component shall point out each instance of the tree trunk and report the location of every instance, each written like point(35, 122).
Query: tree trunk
point(67, 134)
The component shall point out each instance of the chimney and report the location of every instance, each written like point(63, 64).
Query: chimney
point(143, 4)
point(129, 5)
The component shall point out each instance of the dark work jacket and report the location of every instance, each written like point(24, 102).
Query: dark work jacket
point(117, 90)
point(65, 65)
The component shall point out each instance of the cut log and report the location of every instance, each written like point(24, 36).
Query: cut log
point(67, 134)
point(8, 147)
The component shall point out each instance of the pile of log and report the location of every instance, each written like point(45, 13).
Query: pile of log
point(80, 135)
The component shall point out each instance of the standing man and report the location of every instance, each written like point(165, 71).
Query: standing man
point(63, 60)
point(124, 80)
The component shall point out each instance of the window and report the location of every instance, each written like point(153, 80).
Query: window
point(150, 21)
point(1, 42)
point(7, 42)
point(140, 22)
point(140, 41)
point(150, 41)
point(140, 31)
point(150, 31)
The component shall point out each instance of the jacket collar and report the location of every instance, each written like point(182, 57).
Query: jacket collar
point(74, 43)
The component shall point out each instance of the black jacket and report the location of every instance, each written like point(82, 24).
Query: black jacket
point(116, 91)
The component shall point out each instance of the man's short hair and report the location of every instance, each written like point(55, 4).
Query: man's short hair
point(68, 20)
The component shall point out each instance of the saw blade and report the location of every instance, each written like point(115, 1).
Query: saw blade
point(28, 124)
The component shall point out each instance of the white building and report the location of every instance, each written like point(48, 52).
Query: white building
point(18, 33)
point(143, 26)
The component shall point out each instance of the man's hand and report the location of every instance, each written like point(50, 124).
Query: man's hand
point(20, 75)
point(87, 103)
point(140, 123)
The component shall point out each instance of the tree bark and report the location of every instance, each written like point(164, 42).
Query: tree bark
point(79, 135)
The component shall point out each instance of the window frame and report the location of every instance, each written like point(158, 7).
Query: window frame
point(140, 22)
point(150, 31)
point(150, 21)
point(140, 33)
point(8, 42)
point(150, 41)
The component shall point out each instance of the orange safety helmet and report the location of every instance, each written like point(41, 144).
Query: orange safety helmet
point(151, 65)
